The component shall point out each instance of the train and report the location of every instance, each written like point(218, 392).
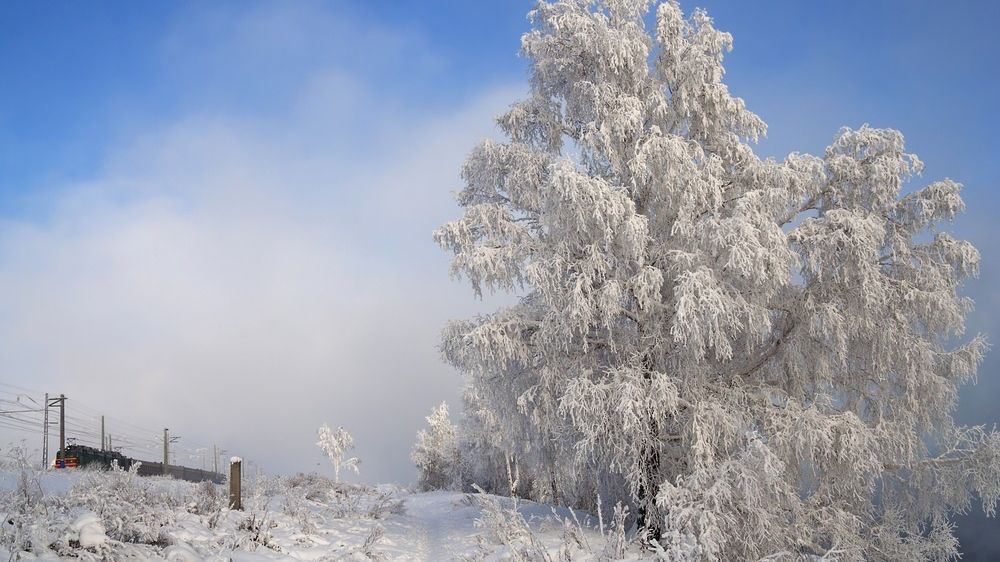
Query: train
point(78, 456)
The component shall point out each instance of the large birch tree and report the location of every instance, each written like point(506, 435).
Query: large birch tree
point(761, 356)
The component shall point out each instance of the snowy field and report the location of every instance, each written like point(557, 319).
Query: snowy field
point(117, 515)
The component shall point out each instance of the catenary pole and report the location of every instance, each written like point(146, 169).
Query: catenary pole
point(62, 429)
point(45, 434)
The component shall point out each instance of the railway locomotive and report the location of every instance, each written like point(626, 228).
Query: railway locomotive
point(79, 456)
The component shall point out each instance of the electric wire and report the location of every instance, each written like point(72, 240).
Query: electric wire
point(22, 410)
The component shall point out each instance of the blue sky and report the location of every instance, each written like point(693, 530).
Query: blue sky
point(199, 197)
point(78, 77)
point(84, 76)
point(77, 72)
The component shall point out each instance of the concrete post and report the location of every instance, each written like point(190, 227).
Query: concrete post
point(235, 483)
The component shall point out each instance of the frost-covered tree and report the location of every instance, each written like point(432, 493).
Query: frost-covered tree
point(336, 444)
point(489, 450)
point(436, 452)
point(761, 356)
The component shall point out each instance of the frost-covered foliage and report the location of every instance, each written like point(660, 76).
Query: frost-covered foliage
point(436, 453)
point(481, 443)
point(507, 526)
point(101, 515)
point(336, 444)
point(523, 533)
point(132, 508)
point(99, 511)
point(758, 356)
point(24, 514)
point(117, 515)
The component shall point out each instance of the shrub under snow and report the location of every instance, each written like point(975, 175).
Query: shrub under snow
point(117, 515)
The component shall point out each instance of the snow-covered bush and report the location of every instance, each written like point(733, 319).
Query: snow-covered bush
point(507, 526)
point(757, 356)
point(312, 486)
point(313, 499)
point(252, 532)
point(385, 504)
point(526, 532)
point(617, 543)
point(24, 526)
point(436, 453)
point(263, 492)
point(95, 514)
point(209, 502)
point(336, 444)
point(366, 550)
point(115, 515)
point(132, 508)
point(302, 494)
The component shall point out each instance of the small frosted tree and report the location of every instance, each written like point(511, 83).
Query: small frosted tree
point(436, 452)
point(336, 444)
point(760, 356)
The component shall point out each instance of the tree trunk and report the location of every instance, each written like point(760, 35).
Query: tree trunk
point(650, 527)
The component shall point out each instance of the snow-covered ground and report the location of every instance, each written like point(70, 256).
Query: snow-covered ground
point(117, 515)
